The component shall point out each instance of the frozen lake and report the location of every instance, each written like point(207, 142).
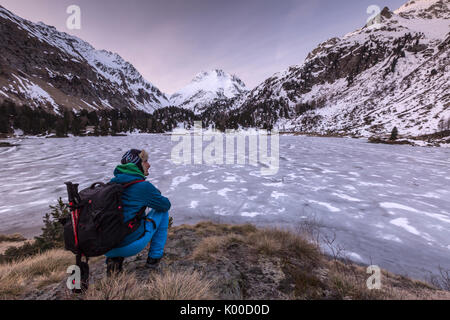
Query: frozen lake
point(388, 205)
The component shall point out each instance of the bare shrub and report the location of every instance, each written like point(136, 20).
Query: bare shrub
point(442, 280)
point(309, 229)
point(445, 278)
point(335, 249)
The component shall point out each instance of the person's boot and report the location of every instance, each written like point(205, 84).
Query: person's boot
point(114, 265)
point(152, 263)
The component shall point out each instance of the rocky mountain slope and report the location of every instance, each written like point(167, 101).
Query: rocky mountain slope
point(394, 73)
point(43, 67)
point(206, 88)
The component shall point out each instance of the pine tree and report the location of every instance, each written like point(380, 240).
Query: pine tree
point(114, 127)
point(93, 118)
point(441, 125)
point(394, 134)
point(4, 124)
point(104, 127)
point(76, 126)
point(96, 131)
point(61, 130)
point(52, 233)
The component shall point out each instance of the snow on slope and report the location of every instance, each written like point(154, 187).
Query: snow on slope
point(35, 93)
point(207, 87)
point(124, 78)
point(372, 79)
point(416, 6)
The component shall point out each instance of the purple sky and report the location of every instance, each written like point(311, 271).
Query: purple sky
point(170, 41)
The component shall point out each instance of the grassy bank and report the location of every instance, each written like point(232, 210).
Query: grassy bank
point(215, 261)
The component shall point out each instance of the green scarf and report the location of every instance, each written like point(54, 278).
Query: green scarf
point(130, 169)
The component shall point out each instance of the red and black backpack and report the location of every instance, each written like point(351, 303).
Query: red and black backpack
point(96, 223)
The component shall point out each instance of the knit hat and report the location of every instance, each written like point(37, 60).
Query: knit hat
point(137, 157)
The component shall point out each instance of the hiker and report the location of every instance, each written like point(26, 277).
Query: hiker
point(134, 167)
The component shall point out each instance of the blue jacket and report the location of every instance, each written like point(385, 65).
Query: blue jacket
point(137, 196)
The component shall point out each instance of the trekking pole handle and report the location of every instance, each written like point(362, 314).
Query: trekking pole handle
point(97, 183)
point(69, 186)
point(72, 191)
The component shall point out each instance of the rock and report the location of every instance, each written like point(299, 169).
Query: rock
point(7, 145)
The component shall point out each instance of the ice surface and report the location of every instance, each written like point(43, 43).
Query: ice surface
point(387, 205)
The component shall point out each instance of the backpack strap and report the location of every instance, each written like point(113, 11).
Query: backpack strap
point(152, 221)
point(127, 185)
point(135, 223)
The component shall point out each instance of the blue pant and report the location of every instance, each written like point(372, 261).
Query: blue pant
point(158, 238)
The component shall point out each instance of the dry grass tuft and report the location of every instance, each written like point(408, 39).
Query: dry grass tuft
point(346, 285)
point(22, 276)
point(211, 245)
point(276, 241)
point(207, 247)
point(210, 228)
point(122, 286)
point(348, 281)
point(244, 229)
point(266, 243)
point(185, 285)
point(307, 284)
point(12, 238)
point(182, 285)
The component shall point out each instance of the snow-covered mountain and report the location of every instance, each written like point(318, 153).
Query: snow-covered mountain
point(395, 73)
point(206, 88)
point(41, 66)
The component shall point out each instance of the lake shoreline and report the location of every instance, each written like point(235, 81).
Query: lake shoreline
point(436, 140)
point(279, 265)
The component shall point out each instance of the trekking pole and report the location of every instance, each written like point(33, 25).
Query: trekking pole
point(74, 204)
point(74, 201)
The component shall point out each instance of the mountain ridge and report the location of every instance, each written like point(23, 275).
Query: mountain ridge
point(365, 82)
point(392, 72)
point(43, 71)
point(207, 87)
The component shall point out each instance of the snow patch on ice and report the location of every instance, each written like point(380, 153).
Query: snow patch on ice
point(327, 205)
point(223, 192)
point(178, 180)
point(346, 197)
point(278, 195)
point(194, 204)
point(198, 187)
point(251, 214)
point(404, 223)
